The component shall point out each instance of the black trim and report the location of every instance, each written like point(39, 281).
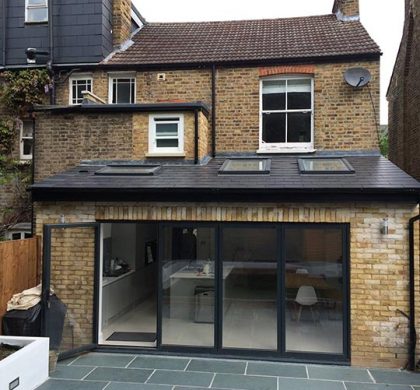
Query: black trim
point(213, 109)
point(196, 137)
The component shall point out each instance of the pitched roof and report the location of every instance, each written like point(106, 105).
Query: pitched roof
point(246, 40)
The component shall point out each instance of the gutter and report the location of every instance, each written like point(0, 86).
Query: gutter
point(412, 298)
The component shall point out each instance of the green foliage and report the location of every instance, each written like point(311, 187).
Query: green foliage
point(383, 144)
point(6, 137)
point(23, 89)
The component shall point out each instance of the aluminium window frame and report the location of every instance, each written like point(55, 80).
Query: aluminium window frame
point(78, 77)
point(29, 7)
point(287, 147)
point(153, 149)
point(121, 75)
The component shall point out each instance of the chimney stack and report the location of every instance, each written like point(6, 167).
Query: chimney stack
point(346, 10)
point(121, 21)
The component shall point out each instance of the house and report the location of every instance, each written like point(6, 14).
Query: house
point(217, 188)
point(81, 33)
point(403, 97)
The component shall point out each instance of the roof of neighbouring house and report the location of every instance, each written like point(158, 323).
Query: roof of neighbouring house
point(374, 177)
point(246, 41)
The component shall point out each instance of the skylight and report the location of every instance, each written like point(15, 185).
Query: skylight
point(128, 170)
point(246, 166)
point(325, 165)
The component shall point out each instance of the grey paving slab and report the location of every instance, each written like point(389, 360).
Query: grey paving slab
point(66, 362)
point(244, 382)
point(194, 388)
point(306, 384)
point(133, 375)
point(181, 378)
point(103, 360)
point(70, 372)
point(371, 386)
point(220, 366)
point(339, 374)
point(159, 362)
point(56, 384)
point(136, 386)
point(393, 377)
point(276, 369)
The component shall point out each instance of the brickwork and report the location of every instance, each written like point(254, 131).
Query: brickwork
point(121, 21)
point(378, 264)
point(404, 97)
point(347, 7)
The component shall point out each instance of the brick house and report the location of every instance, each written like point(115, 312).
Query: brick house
point(219, 189)
point(403, 97)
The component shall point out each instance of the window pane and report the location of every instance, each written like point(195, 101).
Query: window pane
point(27, 129)
point(250, 285)
point(124, 89)
point(274, 128)
point(274, 95)
point(37, 15)
point(167, 143)
point(166, 129)
point(314, 289)
point(299, 127)
point(299, 94)
point(37, 2)
point(27, 147)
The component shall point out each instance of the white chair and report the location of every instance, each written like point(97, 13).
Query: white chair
point(306, 296)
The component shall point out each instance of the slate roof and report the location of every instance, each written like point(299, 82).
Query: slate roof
point(373, 175)
point(246, 41)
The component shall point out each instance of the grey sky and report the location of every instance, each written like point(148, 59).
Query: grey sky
point(382, 18)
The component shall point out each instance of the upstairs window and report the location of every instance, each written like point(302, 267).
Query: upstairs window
point(286, 114)
point(36, 11)
point(79, 84)
point(166, 133)
point(122, 88)
point(26, 140)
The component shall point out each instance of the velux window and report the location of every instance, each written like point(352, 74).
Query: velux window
point(286, 114)
point(122, 89)
point(79, 84)
point(166, 133)
point(36, 11)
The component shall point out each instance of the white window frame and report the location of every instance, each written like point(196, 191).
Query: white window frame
point(24, 156)
point(153, 149)
point(79, 77)
point(28, 7)
point(23, 233)
point(287, 147)
point(121, 75)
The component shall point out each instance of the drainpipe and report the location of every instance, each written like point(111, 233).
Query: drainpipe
point(51, 60)
point(412, 319)
point(196, 136)
point(33, 176)
point(213, 110)
point(3, 35)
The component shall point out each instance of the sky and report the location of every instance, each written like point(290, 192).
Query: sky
point(383, 19)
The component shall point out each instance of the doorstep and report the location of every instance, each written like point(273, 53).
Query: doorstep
point(109, 371)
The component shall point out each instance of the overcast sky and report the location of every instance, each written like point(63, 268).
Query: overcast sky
point(382, 18)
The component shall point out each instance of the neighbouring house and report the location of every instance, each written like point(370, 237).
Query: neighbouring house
point(403, 96)
point(81, 33)
point(217, 188)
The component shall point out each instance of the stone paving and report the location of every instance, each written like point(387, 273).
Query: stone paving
point(104, 371)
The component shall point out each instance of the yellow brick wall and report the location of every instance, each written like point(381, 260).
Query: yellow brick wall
point(378, 264)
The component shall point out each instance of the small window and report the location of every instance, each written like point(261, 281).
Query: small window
point(166, 133)
point(246, 166)
point(79, 84)
point(26, 140)
point(128, 170)
point(122, 89)
point(36, 11)
point(324, 165)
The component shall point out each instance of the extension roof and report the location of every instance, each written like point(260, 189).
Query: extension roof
point(245, 41)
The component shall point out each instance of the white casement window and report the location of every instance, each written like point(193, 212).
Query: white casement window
point(122, 88)
point(77, 85)
point(17, 235)
point(166, 133)
point(26, 139)
point(286, 114)
point(36, 11)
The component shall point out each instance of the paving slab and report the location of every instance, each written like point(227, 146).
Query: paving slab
point(395, 377)
point(57, 384)
point(244, 382)
point(136, 386)
point(339, 373)
point(181, 378)
point(133, 375)
point(159, 362)
point(103, 360)
point(276, 369)
point(69, 372)
point(219, 366)
point(374, 386)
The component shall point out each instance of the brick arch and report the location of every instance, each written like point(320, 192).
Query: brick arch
point(289, 69)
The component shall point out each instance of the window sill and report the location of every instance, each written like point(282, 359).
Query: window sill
point(162, 154)
point(285, 151)
point(36, 23)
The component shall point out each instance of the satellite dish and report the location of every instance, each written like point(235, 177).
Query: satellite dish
point(357, 77)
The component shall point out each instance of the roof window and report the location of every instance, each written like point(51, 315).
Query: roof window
point(324, 165)
point(246, 166)
point(128, 170)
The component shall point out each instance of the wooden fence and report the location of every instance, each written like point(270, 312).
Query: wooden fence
point(20, 268)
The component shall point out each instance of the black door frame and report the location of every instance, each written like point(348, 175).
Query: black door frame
point(46, 282)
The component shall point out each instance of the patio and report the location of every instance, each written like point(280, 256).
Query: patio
point(100, 371)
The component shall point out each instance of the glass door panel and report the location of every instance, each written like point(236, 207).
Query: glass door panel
point(314, 289)
point(188, 288)
point(249, 312)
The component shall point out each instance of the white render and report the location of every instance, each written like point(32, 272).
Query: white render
point(29, 364)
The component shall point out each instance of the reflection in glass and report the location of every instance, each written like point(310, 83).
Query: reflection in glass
point(314, 289)
point(188, 286)
point(274, 127)
point(249, 287)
